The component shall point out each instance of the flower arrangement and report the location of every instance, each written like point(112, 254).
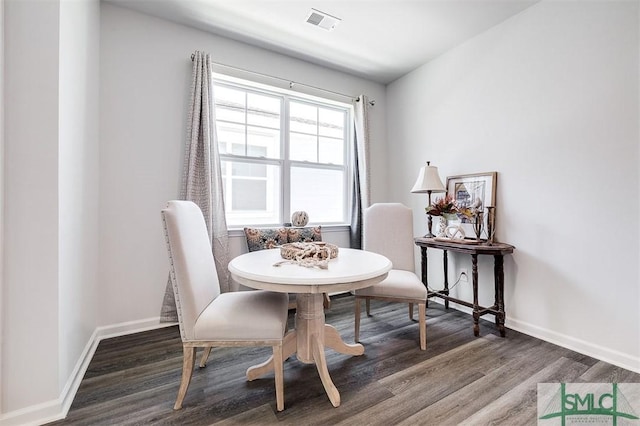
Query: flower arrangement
point(442, 206)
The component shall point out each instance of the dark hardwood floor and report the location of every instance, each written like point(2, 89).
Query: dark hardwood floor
point(459, 379)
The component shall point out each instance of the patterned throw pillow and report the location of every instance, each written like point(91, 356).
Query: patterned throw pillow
point(304, 235)
point(265, 238)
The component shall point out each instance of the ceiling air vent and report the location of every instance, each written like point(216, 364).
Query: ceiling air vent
point(322, 20)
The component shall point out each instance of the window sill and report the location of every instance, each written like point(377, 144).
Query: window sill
point(239, 232)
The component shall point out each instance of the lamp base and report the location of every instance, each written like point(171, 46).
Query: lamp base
point(429, 226)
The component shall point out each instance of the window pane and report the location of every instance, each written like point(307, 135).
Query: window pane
point(229, 114)
point(331, 151)
point(303, 147)
point(331, 123)
point(262, 142)
point(318, 192)
point(243, 199)
point(303, 118)
point(263, 110)
point(230, 104)
point(256, 151)
point(237, 149)
point(230, 138)
point(252, 193)
point(248, 170)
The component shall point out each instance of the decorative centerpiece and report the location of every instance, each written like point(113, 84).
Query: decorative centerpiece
point(311, 255)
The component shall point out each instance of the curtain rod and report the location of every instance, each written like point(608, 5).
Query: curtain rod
point(291, 83)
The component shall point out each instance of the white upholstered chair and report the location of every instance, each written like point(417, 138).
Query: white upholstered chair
point(206, 316)
point(388, 230)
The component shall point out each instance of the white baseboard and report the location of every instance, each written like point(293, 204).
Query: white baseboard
point(599, 352)
point(57, 409)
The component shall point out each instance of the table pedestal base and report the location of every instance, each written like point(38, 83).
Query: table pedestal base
point(308, 342)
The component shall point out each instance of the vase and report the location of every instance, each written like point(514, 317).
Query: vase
point(446, 219)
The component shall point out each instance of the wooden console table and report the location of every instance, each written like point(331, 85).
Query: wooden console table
point(498, 250)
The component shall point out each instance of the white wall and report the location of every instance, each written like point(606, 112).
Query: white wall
point(50, 174)
point(31, 205)
point(1, 186)
point(78, 178)
point(145, 80)
point(549, 99)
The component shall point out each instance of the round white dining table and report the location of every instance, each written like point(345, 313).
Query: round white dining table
point(350, 270)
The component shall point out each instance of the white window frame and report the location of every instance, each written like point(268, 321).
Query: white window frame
point(284, 162)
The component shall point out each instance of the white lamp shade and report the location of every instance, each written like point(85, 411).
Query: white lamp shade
point(428, 180)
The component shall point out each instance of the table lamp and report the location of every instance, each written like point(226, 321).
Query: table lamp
point(428, 181)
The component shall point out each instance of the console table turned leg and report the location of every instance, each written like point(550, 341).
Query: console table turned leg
point(498, 272)
point(476, 311)
point(445, 264)
point(424, 267)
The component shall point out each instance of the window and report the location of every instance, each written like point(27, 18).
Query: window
point(281, 153)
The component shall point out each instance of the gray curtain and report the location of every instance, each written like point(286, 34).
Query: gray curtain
point(361, 197)
point(202, 178)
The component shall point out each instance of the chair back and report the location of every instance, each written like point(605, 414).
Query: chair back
point(193, 271)
point(388, 230)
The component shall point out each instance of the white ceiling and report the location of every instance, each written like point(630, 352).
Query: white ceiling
point(380, 40)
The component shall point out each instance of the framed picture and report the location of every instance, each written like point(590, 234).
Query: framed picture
point(473, 190)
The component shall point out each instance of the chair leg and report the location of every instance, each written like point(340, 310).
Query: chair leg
point(187, 370)
point(278, 369)
point(356, 333)
point(411, 311)
point(326, 302)
point(205, 356)
point(422, 312)
point(368, 303)
point(292, 301)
